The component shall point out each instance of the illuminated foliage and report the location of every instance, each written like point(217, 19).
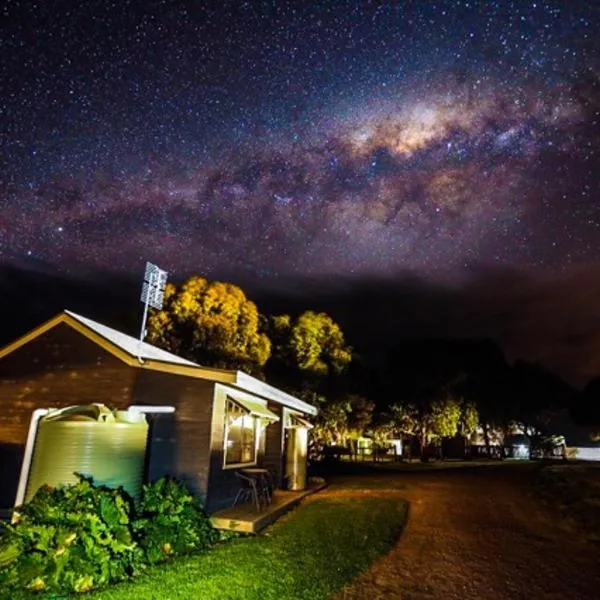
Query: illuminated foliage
point(310, 359)
point(469, 419)
point(313, 344)
point(443, 417)
point(341, 419)
point(331, 424)
point(212, 323)
point(429, 420)
point(77, 538)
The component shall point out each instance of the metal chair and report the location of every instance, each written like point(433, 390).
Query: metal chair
point(265, 487)
point(248, 490)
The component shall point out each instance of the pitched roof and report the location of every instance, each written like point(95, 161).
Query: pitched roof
point(130, 344)
point(129, 350)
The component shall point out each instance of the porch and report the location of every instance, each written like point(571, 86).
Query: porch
point(246, 518)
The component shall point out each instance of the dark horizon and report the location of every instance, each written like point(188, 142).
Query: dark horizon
point(529, 322)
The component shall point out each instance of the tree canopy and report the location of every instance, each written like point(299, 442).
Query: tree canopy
point(306, 351)
point(429, 419)
point(212, 323)
point(312, 343)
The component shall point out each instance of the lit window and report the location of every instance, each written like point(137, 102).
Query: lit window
point(240, 438)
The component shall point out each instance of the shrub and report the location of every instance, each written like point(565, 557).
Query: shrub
point(79, 537)
point(171, 522)
point(71, 539)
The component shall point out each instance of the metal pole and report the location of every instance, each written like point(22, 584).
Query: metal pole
point(37, 414)
point(143, 331)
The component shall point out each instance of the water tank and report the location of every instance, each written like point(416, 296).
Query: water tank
point(91, 440)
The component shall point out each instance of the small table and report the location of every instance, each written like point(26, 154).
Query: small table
point(255, 471)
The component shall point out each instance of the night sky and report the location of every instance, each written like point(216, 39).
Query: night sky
point(450, 149)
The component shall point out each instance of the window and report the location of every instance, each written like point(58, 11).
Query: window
point(240, 435)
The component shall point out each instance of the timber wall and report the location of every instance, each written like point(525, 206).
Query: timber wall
point(62, 367)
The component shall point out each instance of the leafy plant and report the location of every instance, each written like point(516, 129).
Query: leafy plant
point(171, 522)
point(71, 538)
point(80, 537)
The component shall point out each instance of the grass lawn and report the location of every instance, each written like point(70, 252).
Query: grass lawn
point(573, 489)
point(309, 554)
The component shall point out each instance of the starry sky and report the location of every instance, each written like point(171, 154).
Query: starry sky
point(455, 144)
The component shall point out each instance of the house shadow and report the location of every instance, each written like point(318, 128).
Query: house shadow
point(10, 463)
point(161, 454)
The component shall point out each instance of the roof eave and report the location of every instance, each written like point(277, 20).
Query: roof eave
point(217, 375)
point(255, 386)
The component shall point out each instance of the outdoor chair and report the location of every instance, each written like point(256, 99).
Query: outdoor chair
point(252, 489)
point(264, 487)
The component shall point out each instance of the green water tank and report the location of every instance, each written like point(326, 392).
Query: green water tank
point(91, 440)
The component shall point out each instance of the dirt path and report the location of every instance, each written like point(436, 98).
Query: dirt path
point(478, 534)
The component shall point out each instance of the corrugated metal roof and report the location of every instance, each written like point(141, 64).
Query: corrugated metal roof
point(130, 344)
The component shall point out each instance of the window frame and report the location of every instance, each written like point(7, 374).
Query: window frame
point(255, 420)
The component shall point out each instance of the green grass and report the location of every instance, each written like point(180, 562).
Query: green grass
point(309, 554)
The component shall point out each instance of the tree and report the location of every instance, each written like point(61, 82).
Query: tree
point(428, 420)
point(469, 419)
point(212, 323)
point(341, 420)
point(443, 417)
point(331, 423)
point(310, 359)
point(361, 414)
point(307, 352)
point(314, 344)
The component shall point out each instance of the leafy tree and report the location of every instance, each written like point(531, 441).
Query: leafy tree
point(212, 323)
point(313, 345)
point(469, 419)
point(361, 414)
point(444, 417)
point(341, 419)
point(331, 423)
point(310, 359)
point(428, 420)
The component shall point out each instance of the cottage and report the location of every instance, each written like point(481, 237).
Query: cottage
point(222, 421)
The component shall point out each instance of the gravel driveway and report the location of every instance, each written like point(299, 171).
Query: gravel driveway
point(477, 533)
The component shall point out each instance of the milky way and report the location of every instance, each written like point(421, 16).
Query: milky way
point(284, 139)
